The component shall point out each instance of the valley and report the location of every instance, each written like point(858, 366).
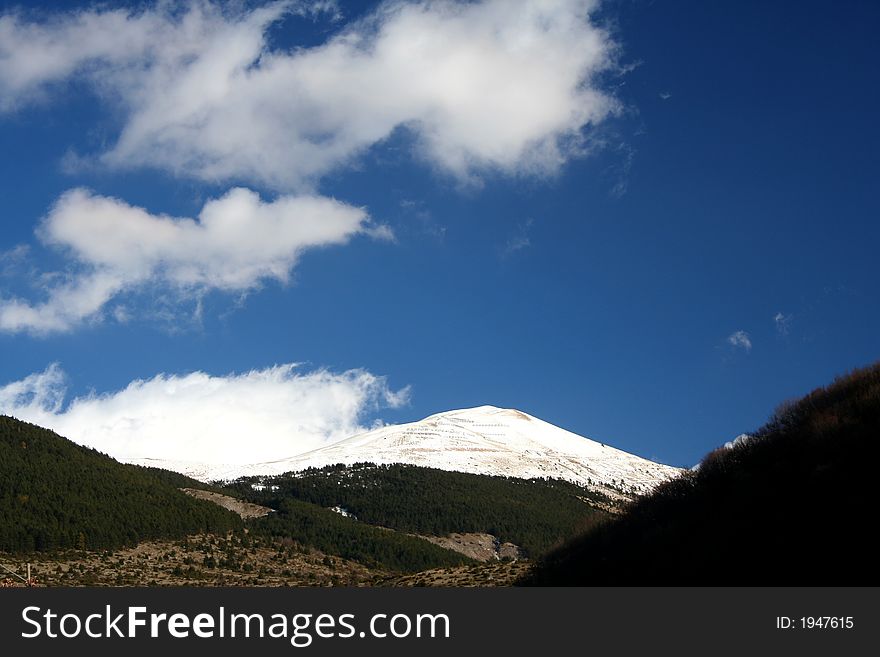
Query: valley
point(211, 561)
point(760, 509)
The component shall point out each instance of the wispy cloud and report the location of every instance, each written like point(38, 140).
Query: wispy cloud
point(237, 242)
point(498, 85)
point(621, 171)
point(260, 415)
point(782, 323)
point(519, 240)
point(424, 219)
point(14, 260)
point(740, 340)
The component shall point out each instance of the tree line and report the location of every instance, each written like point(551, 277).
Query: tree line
point(533, 514)
point(55, 494)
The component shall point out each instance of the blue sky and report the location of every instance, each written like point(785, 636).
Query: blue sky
point(648, 223)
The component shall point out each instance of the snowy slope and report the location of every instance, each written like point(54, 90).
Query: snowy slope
point(482, 440)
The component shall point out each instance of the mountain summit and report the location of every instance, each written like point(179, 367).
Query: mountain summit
point(494, 441)
point(482, 440)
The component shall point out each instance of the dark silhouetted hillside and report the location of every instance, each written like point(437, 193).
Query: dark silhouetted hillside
point(795, 505)
point(56, 494)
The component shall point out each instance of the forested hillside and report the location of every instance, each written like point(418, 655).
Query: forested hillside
point(791, 506)
point(332, 533)
point(533, 514)
point(56, 494)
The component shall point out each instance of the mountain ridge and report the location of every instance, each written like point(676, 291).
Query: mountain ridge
point(55, 494)
point(480, 440)
point(791, 504)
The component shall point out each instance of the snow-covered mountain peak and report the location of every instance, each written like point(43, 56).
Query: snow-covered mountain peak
point(482, 440)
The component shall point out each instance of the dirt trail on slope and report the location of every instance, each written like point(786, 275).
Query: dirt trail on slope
point(245, 509)
point(482, 547)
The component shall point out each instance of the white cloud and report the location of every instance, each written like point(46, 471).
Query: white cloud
point(237, 242)
point(740, 340)
point(37, 51)
point(501, 85)
point(236, 419)
point(38, 393)
point(519, 240)
point(782, 322)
